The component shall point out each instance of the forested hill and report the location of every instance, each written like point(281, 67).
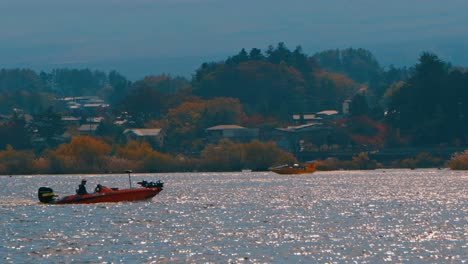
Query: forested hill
point(426, 104)
point(274, 82)
point(280, 81)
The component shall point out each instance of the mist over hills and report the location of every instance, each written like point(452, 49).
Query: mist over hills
point(141, 37)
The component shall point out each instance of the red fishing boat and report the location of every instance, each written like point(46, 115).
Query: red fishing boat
point(103, 194)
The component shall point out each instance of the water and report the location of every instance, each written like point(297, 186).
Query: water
point(397, 216)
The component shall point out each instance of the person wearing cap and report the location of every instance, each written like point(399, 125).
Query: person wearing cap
point(82, 188)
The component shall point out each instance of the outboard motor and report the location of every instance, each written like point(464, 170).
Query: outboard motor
point(46, 194)
point(146, 184)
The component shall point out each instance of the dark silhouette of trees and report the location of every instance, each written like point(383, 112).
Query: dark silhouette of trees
point(15, 133)
point(276, 84)
point(77, 82)
point(153, 96)
point(430, 108)
point(359, 105)
point(48, 125)
point(118, 88)
point(358, 64)
point(12, 80)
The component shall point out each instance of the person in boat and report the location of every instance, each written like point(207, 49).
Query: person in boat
point(82, 188)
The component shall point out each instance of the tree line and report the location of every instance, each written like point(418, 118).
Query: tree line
point(423, 105)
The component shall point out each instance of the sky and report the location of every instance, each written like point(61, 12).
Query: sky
point(150, 37)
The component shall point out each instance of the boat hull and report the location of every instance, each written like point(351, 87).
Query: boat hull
point(112, 196)
point(310, 168)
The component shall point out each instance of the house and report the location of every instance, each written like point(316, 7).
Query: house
point(91, 104)
point(95, 120)
point(234, 133)
point(328, 114)
point(71, 121)
point(304, 118)
point(88, 129)
point(296, 138)
point(154, 136)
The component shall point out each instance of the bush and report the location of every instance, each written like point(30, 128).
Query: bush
point(458, 161)
point(157, 162)
point(256, 155)
point(116, 164)
point(422, 160)
point(358, 162)
point(82, 154)
point(15, 161)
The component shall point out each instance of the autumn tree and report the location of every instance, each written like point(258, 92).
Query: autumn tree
point(230, 156)
point(82, 154)
point(224, 156)
point(134, 150)
point(145, 157)
point(261, 156)
point(188, 121)
point(332, 89)
point(16, 161)
point(366, 133)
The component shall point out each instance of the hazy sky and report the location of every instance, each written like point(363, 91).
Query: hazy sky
point(116, 34)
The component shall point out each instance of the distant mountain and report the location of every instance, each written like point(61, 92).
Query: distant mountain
point(142, 37)
point(136, 68)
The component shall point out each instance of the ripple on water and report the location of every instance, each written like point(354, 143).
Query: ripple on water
point(344, 216)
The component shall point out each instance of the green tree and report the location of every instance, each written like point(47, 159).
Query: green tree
point(359, 105)
point(118, 88)
point(15, 133)
point(153, 96)
point(358, 64)
point(424, 107)
point(77, 82)
point(19, 79)
point(48, 125)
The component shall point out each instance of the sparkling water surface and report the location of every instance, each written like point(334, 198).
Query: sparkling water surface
point(397, 216)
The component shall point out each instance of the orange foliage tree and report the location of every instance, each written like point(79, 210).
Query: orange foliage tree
point(261, 156)
point(16, 162)
point(188, 121)
point(144, 158)
point(82, 154)
point(224, 156)
point(364, 131)
point(134, 150)
point(255, 155)
point(333, 88)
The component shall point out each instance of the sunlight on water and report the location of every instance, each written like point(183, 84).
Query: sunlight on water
point(326, 217)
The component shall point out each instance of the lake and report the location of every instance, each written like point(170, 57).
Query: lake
point(376, 216)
